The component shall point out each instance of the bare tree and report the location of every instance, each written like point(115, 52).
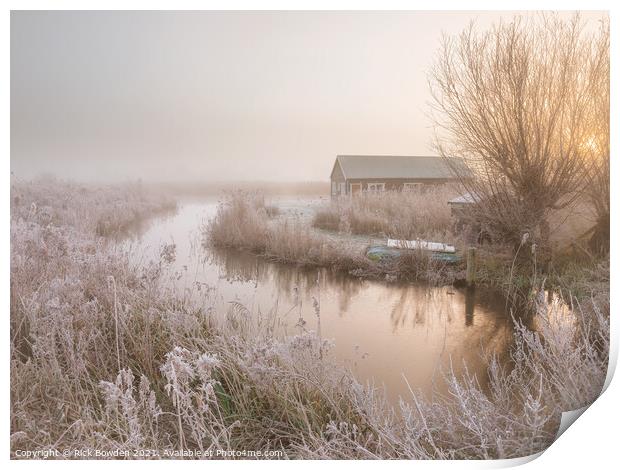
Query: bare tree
point(597, 173)
point(514, 102)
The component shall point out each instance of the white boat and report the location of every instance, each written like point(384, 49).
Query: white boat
point(421, 245)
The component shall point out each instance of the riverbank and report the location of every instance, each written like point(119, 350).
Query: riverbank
point(103, 210)
point(106, 355)
point(243, 222)
point(338, 235)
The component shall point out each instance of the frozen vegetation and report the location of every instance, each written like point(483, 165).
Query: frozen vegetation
point(103, 210)
point(422, 213)
point(106, 355)
point(244, 221)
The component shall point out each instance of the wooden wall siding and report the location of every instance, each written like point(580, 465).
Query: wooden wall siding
point(341, 186)
point(337, 174)
point(395, 185)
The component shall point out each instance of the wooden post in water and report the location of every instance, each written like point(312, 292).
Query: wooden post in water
point(470, 277)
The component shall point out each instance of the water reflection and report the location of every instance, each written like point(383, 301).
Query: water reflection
point(384, 332)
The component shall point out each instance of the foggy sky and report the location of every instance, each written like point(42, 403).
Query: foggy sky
point(219, 95)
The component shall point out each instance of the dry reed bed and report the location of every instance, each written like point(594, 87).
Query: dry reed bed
point(104, 210)
point(421, 213)
point(105, 356)
point(243, 221)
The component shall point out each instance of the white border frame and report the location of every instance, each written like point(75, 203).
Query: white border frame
point(590, 443)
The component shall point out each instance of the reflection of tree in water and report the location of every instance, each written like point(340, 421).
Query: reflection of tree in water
point(237, 266)
point(486, 310)
point(480, 312)
point(419, 304)
point(346, 287)
point(471, 320)
point(246, 267)
point(287, 278)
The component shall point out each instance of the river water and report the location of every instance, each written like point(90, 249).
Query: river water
point(392, 335)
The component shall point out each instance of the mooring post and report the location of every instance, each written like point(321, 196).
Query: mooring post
point(470, 277)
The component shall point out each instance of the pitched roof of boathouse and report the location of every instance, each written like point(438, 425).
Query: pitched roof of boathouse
point(397, 167)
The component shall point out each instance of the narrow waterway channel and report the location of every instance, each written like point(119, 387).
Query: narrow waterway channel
point(384, 332)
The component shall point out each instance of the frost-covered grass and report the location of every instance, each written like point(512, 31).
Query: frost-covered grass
point(107, 355)
point(421, 213)
point(102, 209)
point(243, 222)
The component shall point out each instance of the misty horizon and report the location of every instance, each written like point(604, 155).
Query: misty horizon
point(220, 96)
